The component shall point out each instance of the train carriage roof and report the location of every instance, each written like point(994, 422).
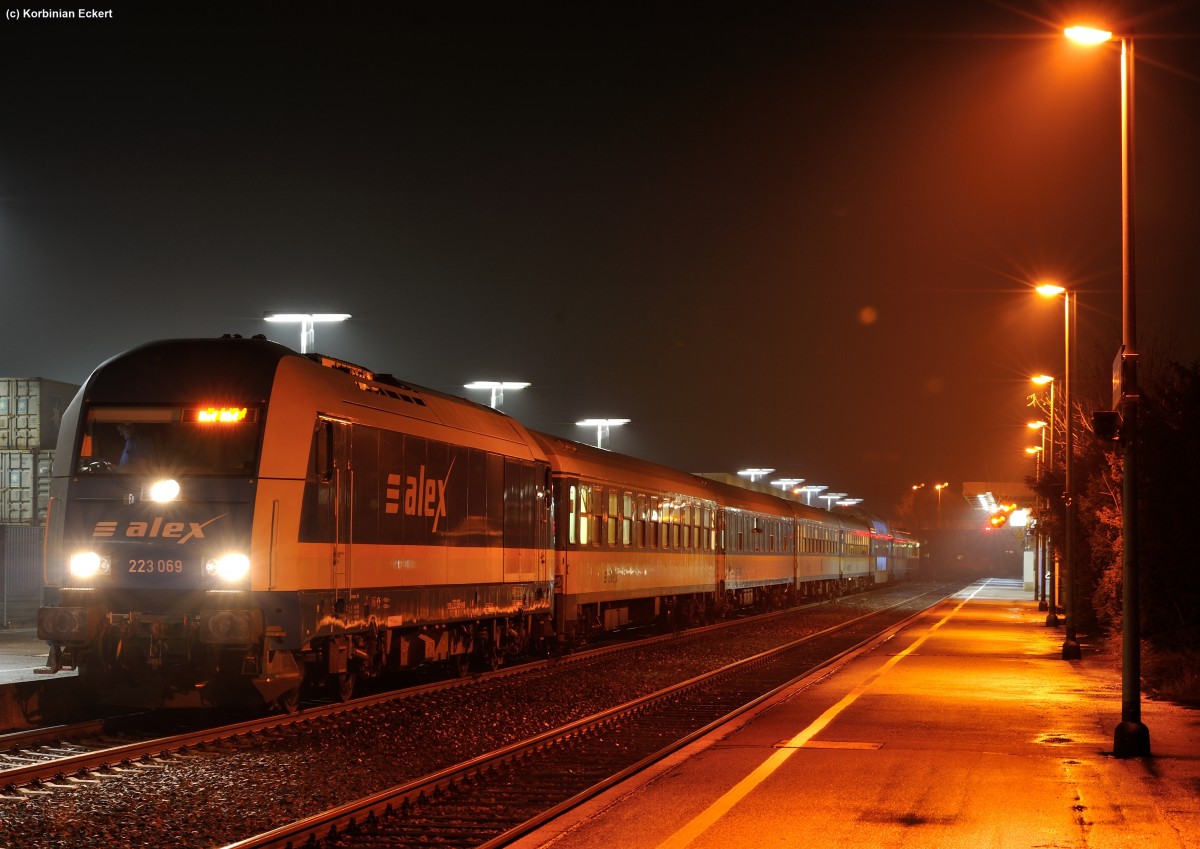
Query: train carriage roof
point(587, 462)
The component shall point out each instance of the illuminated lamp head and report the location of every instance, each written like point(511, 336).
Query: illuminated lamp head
point(88, 564)
point(230, 567)
point(164, 490)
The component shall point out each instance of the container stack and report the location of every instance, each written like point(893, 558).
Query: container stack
point(31, 410)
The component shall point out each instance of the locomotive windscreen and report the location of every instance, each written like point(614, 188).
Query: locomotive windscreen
point(198, 440)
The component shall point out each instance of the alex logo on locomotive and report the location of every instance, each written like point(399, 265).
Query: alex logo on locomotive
point(422, 496)
point(158, 528)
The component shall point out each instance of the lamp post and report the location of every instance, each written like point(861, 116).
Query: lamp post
point(602, 427)
point(497, 388)
point(788, 485)
point(1039, 531)
point(939, 487)
point(1131, 739)
point(810, 490)
point(1070, 646)
point(307, 322)
point(1036, 452)
point(830, 497)
point(754, 474)
point(1051, 585)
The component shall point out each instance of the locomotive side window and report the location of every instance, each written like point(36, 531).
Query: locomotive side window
point(322, 451)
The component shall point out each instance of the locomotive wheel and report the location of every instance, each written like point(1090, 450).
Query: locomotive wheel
point(342, 684)
point(488, 660)
point(461, 664)
point(289, 702)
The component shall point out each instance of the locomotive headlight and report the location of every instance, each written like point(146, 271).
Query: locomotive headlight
point(88, 564)
point(164, 490)
point(229, 567)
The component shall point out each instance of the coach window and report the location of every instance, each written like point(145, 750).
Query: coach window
point(642, 515)
point(612, 517)
point(627, 519)
point(571, 515)
point(652, 523)
point(597, 515)
point(685, 520)
point(585, 495)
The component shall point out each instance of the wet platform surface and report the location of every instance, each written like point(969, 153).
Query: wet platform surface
point(966, 729)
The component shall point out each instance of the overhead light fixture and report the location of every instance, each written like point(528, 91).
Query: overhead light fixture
point(307, 322)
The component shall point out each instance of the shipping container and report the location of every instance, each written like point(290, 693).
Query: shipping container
point(31, 410)
point(24, 486)
point(20, 575)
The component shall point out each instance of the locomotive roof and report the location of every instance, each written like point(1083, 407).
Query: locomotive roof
point(149, 373)
point(171, 371)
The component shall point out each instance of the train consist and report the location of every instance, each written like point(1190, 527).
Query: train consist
point(231, 521)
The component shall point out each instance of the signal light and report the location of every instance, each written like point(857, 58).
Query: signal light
point(1000, 518)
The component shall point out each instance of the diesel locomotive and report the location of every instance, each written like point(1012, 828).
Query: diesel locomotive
point(231, 522)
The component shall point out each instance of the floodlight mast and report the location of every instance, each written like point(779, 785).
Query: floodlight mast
point(755, 474)
point(602, 427)
point(307, 322)
point(497, 388)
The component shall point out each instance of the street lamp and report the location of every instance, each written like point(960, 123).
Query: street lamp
point(306, 322)
point(1050, 588)
point(1039, 537)
point(939, 487)
point(602, 426)
point(788, 484)
point(754, 474)
point(497, 388)
point(1131, 738)
point(1070, 646)
point(810, 490)
point(830, 497)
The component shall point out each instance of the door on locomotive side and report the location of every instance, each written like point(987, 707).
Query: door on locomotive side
point(332, 509)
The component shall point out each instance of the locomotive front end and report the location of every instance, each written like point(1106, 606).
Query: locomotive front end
point(148, 551)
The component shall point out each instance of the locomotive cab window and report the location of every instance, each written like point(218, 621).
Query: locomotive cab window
point(200, 440)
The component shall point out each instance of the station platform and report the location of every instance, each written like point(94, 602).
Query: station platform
point(966, 729)
point(21, 652)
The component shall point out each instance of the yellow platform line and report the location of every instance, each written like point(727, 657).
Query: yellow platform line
point(707, 818)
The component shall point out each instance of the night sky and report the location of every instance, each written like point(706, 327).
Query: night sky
point(769, 235)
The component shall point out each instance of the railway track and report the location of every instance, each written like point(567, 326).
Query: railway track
point(494, 799)
point(331, 758)
point(84, 750)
